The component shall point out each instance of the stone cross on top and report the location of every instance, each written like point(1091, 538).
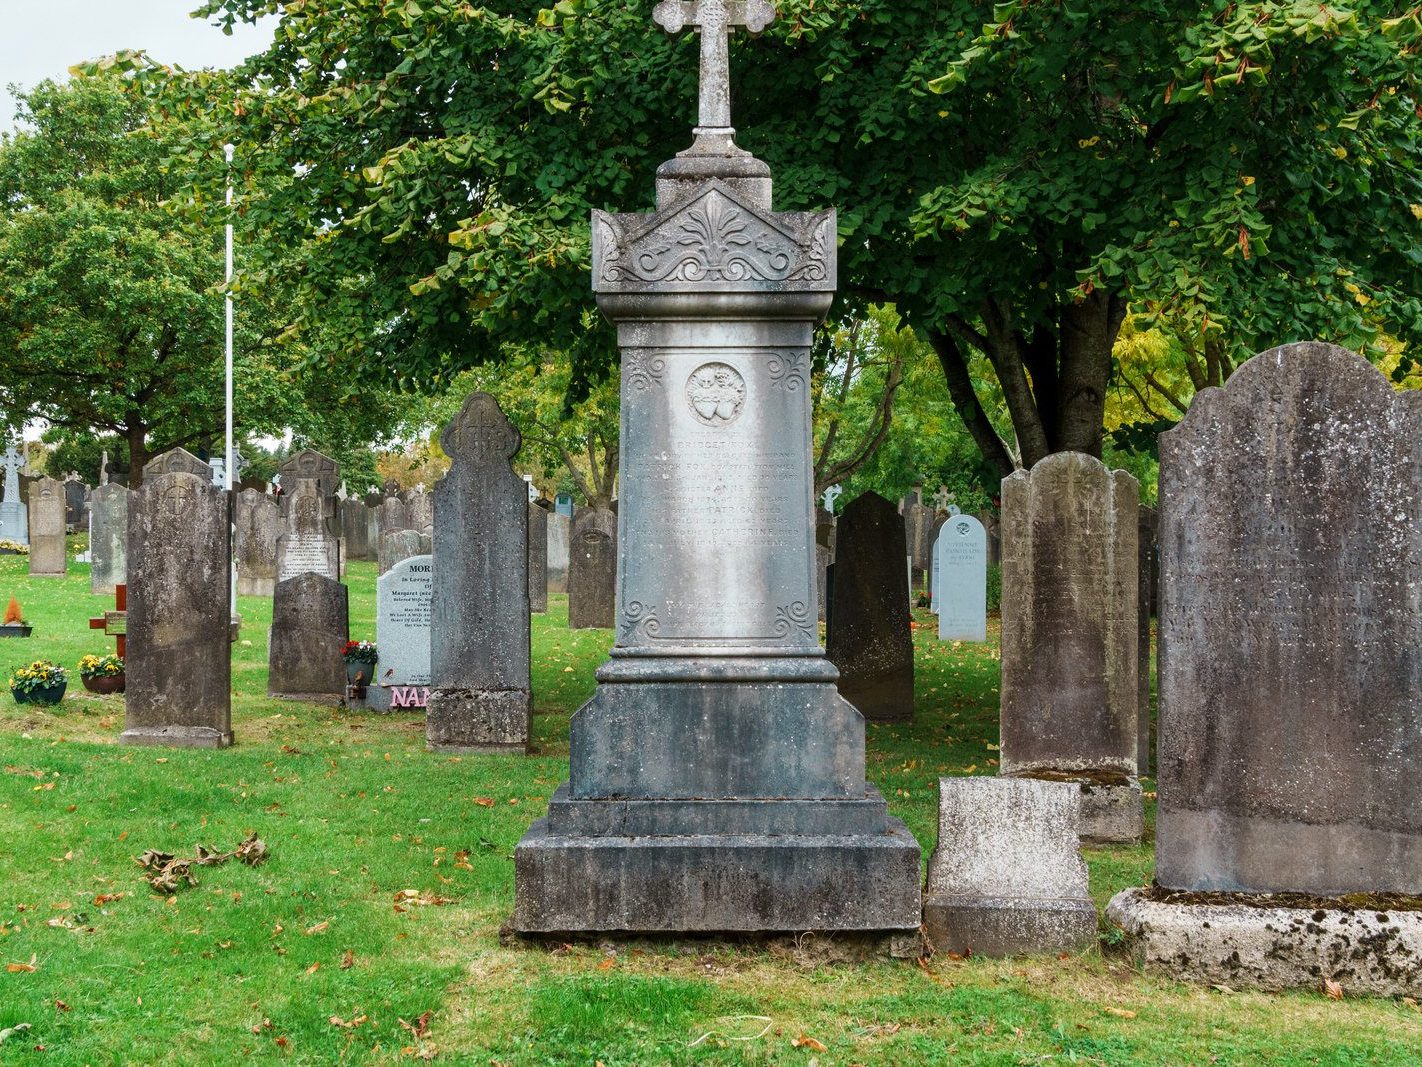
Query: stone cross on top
point(715, 19)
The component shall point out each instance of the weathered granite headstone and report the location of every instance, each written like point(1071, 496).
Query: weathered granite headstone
point(402, 544)
point(403, 597)
point(108, 538)
point(420, 508)
point(1069, 632)
point(1290, 709)
point(306, 546)
point(178, 656)
point(394, 516)
point(592, 569)
point(310, 628)
point(994, 537)
point(14, 516)
point(1145, 583)
point(960, 593)
point(868, 636)
point(355, 528)
point(918, 533)
point(75, 492)
point(717, 779)
point(824, 556)
point(47, 555)
point(537, 559)
point(310, 465)
point(256, 520)
point(1291, 633)
point(1007, 877)
point(480, 690)
point(560, 532)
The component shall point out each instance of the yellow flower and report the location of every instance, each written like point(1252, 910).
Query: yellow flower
point(1416, 210)
point(1248, 179)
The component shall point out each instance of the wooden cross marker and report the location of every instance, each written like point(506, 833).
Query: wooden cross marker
point(715, 19)
point(115, 623)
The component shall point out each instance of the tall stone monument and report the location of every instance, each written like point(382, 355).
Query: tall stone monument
point(560, 530)
point(355, 528)
point(14, 516)
point(960, 579)
point(1290, 654)
point(868, 636)
point(179, 668)
point(1070, 704)
point(717, 777)
point(48, 558)
point(480, 689)
point(108, 538)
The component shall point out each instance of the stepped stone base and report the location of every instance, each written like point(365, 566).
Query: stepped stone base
point(1256, 946)
point(788, 866)
point(1005, 926)
point(177, 736)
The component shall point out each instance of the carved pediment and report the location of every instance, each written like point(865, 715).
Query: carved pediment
point(714, 242)
point(177, 461)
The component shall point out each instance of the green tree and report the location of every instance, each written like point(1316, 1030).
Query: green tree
point(1014, 177)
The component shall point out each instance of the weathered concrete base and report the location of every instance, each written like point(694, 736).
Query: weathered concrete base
point(1272, 948)
point(1008, 926)
point(1112, 814)
point(177, 736)
point(255, 586)
point(478, 721)
point(717, 883)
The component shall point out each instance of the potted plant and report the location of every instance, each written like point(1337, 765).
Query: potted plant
point(13, 548)
point(102, 674)
point(15, 624)
point(360, 657)
point(42, 682)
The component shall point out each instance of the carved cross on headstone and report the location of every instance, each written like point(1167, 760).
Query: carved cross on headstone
point(942, 498)
point(715, 19)
point(13, 463)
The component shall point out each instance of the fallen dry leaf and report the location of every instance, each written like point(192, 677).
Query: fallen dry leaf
point(607, 964)
point(347, 960)
point(484, 802)
point(319, 928)
point(61, 1006)
point(23, 968)
point(1333, 989)
point(167, 873)
point(313, 968)
point(336, 1020)
point(1124, 1013)
point(420, 1027)
point(810, 1043)
point(107, 898)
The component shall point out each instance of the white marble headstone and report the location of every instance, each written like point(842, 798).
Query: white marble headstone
point(402, 634)
point(960, 595)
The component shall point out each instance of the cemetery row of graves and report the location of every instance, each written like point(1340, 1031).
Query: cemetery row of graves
point(1277, 568)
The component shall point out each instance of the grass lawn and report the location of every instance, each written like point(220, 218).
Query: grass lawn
point(307, 958)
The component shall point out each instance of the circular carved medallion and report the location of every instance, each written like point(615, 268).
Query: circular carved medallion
point(716, 393)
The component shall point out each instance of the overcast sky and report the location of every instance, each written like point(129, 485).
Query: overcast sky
point(43, 38)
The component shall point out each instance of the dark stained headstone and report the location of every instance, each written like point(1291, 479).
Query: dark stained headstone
point(592, 569)
point(311, 465)
point(108, 538)
point(310, 627)
point(392, 516)
point(75, 492)
point(256, 520)
point(824, 556)
point(480, 692)
point(402, 544)
point(306, 544)
point(48, 558)
point(1290, 635)
point(1070, 704)
point(868, 636)
point(537, 559)
point(919, 520)
point(178, 662)
point(355, 528)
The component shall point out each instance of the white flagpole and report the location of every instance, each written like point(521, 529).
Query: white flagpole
point(230, 466)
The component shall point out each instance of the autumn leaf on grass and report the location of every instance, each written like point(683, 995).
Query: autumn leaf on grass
point(347, 960)
point(415, 898)
point(420, 1027)
point(24, 968)
point(804, 1041)
point(1124, 1013)
point(607, 964)
point(320, 928)
point(484, 802)
point(107, 898)
point(1332, 989)
point(336, 1020)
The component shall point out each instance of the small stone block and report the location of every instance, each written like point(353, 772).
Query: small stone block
point(1007, 877)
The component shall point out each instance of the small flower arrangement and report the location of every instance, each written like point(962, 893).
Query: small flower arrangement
point(100, 667)
point(41, 674)
point(360, 652)
point(14, 548)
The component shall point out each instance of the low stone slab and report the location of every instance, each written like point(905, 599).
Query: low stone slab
point(1007, 877)
point(1257, 946)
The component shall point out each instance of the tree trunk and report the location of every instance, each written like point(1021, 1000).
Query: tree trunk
point(137, 436)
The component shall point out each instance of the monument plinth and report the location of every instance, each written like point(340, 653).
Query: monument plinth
point(717, 776)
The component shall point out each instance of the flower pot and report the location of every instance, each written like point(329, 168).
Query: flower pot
point(359, 674)
point(52, 695)
point(105, 683)
point(15, 629)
